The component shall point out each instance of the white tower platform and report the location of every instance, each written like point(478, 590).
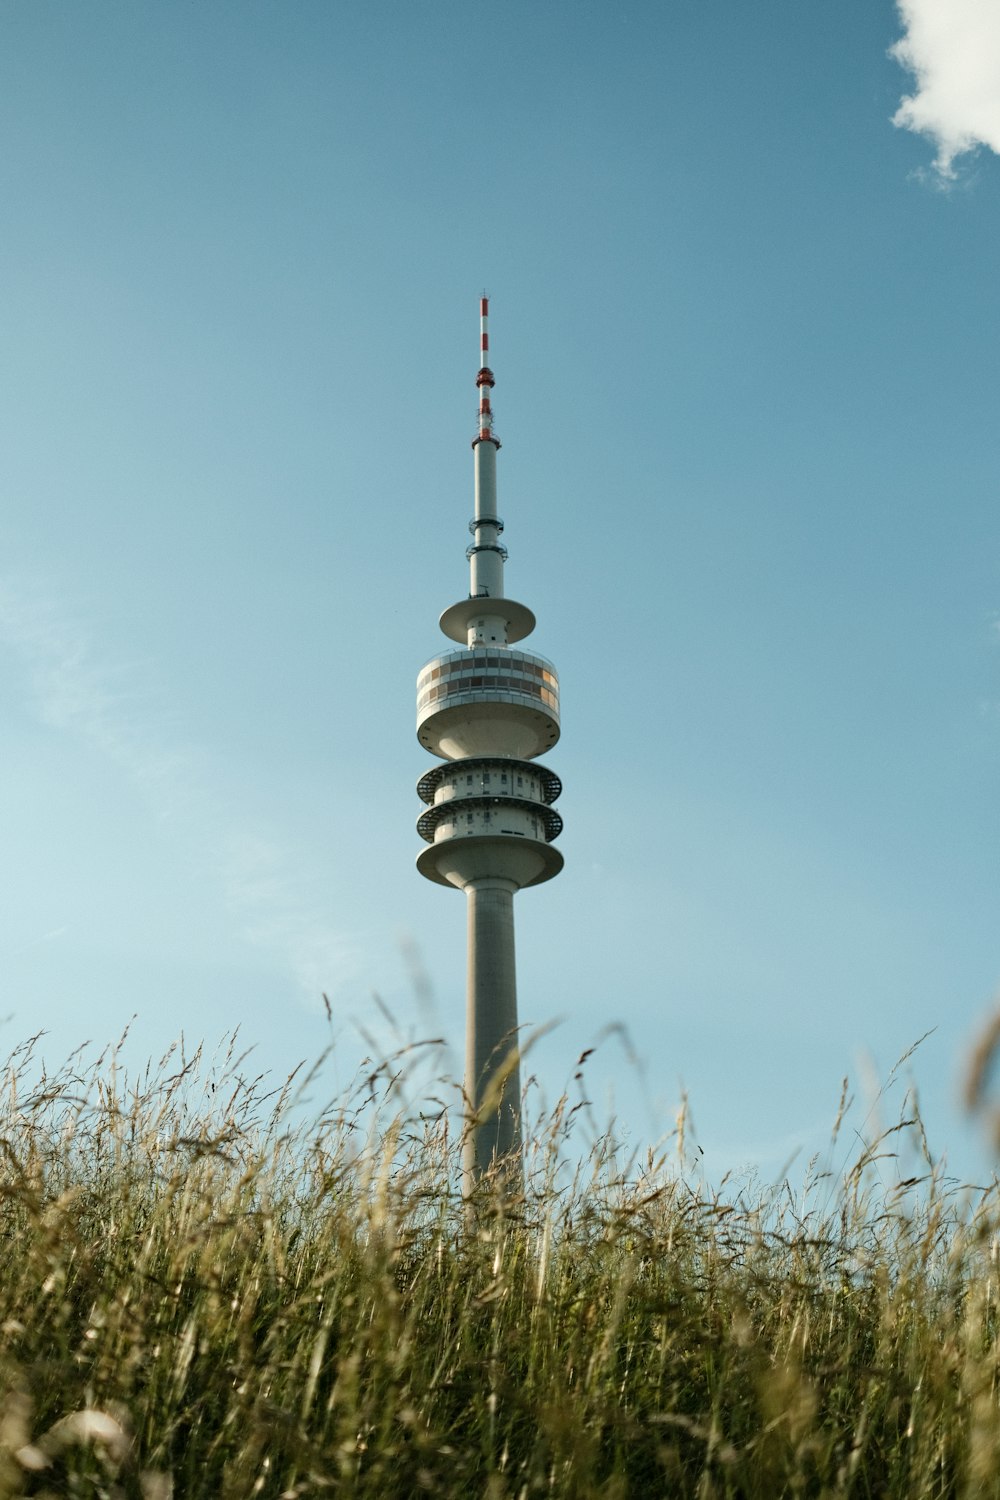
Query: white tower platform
point(488, 711)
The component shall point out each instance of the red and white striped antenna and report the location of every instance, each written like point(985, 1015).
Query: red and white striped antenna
point(484, 380)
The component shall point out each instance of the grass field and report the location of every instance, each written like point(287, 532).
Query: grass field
point(206, 1293)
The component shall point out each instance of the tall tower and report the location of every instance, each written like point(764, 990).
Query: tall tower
point(488, 710)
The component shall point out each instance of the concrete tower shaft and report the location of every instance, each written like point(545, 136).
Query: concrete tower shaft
point(492, 1071)
point(488, 710)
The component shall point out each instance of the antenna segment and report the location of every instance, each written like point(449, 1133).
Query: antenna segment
point(487, 711)
point(486, 554)
point(484, 380)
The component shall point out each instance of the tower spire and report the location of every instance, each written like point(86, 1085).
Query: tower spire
point(488, 710)
point(484, 380)
point(486, 554)
point(487, 617)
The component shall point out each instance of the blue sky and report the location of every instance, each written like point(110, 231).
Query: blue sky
point(742, 269)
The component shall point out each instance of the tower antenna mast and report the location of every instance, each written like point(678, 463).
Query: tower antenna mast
point(487, 711)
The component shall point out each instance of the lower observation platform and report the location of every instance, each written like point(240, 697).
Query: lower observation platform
point(489, 818)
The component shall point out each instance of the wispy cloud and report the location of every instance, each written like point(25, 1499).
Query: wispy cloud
point(989, 708)
point(279, 912)
point(952, 47)
point(80, 692)
point(97, 701)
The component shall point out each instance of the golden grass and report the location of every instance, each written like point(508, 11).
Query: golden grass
point(205, 1293)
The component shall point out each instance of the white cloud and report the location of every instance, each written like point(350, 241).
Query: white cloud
point(952, 47)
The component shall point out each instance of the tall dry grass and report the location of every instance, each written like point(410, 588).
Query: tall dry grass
point(204, 1292)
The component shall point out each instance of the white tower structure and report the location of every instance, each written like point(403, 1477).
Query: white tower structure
point(488, 710)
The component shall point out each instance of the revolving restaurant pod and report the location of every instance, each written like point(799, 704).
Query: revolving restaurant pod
point(488, 702)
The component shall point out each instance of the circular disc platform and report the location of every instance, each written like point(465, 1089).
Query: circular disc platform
point(462, 861)
point(458, 618)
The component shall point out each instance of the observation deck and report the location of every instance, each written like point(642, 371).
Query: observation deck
point(488, 702)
